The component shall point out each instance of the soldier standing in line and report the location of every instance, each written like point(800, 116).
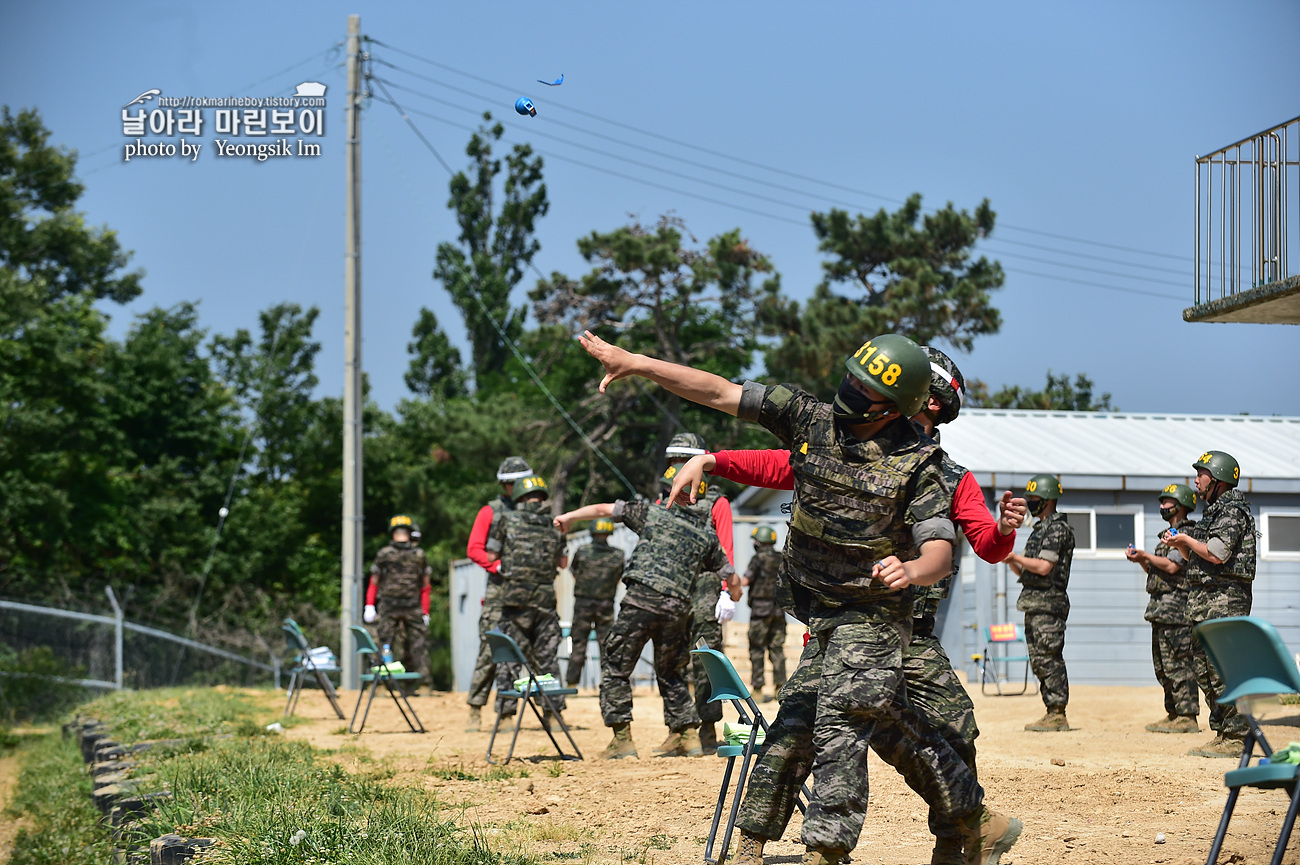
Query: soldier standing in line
point(766, 618)
point(708, 610)
point(513, 469)
point(1044, 572)
point(597, 568)
point(531, 552)
point(1171, 636)
point(1220, 552)
point(674, 545)
point(867, 490)
point(400, 578)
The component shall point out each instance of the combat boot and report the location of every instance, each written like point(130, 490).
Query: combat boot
point(1053, 722)
point(621, 746)
point(1177, 724)
point(986, 835)
point(824, 856)
point(948, 850)
point(1222, 746)
point(749, 850)
point(669, 746)
point(709, 738)
point(1167, 719)
point(683, 744)
point(475, 721)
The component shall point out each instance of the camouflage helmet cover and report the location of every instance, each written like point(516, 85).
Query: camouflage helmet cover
point(684, 446)
point(513, 469)
point(947, 385)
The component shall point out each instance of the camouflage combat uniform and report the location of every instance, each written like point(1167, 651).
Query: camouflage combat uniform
point(1171, 635)
point(855, 502)
point(675, 544)
point(401, 570)
point(531, 549)
point(1228, 529)
point(1046, 606)
point(766, 619)
point(597, 567)
point(485, 671)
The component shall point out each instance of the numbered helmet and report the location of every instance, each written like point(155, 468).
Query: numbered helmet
point(513, 469)
point(683, 446)
point(416, 534)
point(894, 367)
point(531, 485)
point(763, 535)
point(1043, 486)
point(1221, 466)
point(947, 385)
point(401, 521)
point(1181, 493)
point(603, 527)
point(666, 481)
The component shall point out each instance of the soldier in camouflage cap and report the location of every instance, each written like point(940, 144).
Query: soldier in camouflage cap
point(531, 551)
point(1044, 572)
point(1171, 636)
point(597, 568)
point(400, 577)
point(673, 546)
point(1220, 552)
point(766, 618)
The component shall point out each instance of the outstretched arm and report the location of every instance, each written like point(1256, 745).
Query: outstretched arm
point(698, 386)
point(587, 512)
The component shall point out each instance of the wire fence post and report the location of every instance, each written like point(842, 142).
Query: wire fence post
point(117, 636)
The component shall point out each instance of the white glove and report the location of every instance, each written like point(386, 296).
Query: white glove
point(369, 615)
point(725, 609)
point(426, 620)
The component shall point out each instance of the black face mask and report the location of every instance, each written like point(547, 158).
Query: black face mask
point(1036, 509)
point(403, 545)
point(1167, 514)
point(853, 405)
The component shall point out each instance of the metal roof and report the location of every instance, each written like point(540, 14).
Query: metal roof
point(1122, 450)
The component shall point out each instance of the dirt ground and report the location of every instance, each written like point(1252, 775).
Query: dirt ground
point(1119, 788)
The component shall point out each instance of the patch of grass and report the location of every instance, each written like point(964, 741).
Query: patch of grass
point(660, 842)
point(53, 795)
point(447, 773)
point(555, 770)
point(174, 713)
point(340, 731)
point(505, 773)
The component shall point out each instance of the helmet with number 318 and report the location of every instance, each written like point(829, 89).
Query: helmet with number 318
point(894, 367)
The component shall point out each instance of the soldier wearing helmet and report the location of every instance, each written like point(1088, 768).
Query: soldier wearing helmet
point(399, 577)
point(597, 568)
point(1171, 635)
point(870, 519)
point(530, 552)
point(1220, 552)
point(713, 594)
point(766, 618)
point(511, 470)
point(1044, 572)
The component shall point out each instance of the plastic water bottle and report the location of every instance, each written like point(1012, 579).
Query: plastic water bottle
point(387, 654)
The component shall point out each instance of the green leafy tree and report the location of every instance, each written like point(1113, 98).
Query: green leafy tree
point(435, 369)
point(1060, 394)
point(901, 272)
point(496, 244)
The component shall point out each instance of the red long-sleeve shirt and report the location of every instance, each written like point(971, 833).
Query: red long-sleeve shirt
point(771, 469)
point(476, 549)
point(722, 522)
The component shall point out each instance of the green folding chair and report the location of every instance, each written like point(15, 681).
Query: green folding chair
point(366, 650)
point(1006, 635)
point(725, 684)
point(1253, 662)
point(296, 642)
point(506, 651)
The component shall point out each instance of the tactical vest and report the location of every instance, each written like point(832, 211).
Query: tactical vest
point(1047, 593)
point(1231, 506)
point(528, 554)
point(1168, 603)
point(597, 568)
point(763, 569)
point(674, 543)
point(848, 513)
point(401, 572)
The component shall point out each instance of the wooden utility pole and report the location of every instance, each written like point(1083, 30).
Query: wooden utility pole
point(352, 488)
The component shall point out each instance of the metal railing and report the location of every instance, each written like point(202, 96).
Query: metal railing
point(1244, 197)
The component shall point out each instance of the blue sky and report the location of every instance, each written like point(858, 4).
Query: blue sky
point(1080, 120)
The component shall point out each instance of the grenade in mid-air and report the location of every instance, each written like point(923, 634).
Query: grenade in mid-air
point(524, 105)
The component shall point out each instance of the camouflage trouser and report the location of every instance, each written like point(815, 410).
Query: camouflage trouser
point(847, 682)
point(1171, 654)
point(707, 628)
point(937, 696)
point(1045, 638)
point(402, 622)
point(767, 635)
point(671, 635)
point(537, 631)
point(485, 671)
point(589, 614)
point(1228, 598)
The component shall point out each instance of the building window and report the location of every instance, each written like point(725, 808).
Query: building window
point(1281, 531)
point(1105, 532)
point(1081, 522)
point(1115, 531)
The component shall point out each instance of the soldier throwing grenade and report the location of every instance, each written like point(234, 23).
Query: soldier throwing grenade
point(400, 581)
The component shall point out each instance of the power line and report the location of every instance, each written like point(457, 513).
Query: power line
point(1095, 284)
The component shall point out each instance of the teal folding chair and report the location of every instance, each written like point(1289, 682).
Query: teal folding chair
point(506, 651)
point(296, 642)
point(366, 651)
point(1006, 635)
point(725, 684)
point(1253, 662)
